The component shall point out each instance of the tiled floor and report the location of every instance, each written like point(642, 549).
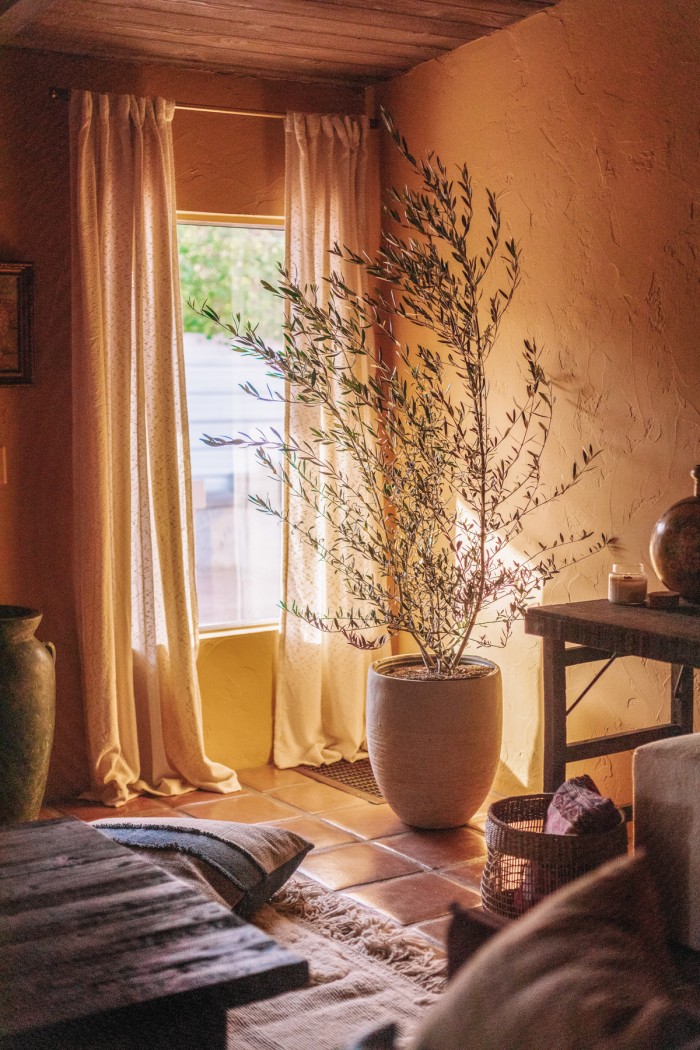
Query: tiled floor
point(361, 849)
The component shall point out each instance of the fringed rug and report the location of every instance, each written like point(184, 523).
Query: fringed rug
point(366, 971)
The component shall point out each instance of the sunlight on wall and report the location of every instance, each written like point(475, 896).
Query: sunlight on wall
point(236, 678)
point(578, 116)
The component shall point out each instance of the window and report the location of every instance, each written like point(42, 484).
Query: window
point(237, 548)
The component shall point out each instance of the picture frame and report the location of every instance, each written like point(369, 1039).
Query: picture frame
point(16, 322)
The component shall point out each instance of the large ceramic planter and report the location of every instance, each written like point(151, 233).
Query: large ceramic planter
point(27, 704)
point(433, 744)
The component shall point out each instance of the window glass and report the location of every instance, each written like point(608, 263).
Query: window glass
point(237, 548)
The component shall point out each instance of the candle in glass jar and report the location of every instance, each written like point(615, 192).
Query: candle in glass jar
point(627, 585)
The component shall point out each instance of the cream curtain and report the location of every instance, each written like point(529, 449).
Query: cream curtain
point(134, 570)
point(320, 693)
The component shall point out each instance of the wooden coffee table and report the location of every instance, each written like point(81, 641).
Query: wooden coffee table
point(101, 948)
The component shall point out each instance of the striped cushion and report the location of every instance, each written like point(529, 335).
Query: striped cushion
point(239, 864)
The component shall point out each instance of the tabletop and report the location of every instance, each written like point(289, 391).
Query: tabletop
point(90, 926)
point(671, 635)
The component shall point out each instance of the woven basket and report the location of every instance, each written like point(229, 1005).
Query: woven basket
point(524, 865)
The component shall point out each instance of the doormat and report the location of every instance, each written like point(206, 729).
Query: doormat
point(356, 778)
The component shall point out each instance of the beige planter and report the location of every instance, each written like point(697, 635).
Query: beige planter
point(434, 745)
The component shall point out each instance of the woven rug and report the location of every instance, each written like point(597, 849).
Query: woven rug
point(365, 972)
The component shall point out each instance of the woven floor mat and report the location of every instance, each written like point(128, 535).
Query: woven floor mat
point(356, 778)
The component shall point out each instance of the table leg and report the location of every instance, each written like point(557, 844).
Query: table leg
point(682, 697)
point(554, 675)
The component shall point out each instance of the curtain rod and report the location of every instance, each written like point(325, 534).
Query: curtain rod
point(194, 107)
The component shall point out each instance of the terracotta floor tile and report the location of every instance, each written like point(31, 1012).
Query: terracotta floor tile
point(267, 778)
point(311, 796)
point(468, 874)
point(415, 898)
point(137, 807)
point(317, 831)
point(242, 809)
point(355, 865)
point(190, 797)
point(436, 849)
point(435, 929)
point(366, 820)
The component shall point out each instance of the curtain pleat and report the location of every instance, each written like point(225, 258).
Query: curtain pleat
point(134, 565)
point(320, 686)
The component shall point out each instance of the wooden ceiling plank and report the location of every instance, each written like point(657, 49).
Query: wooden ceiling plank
point(453, 9)
point(340, 11)
point(445, 9)
point(261, 64)
point(232, 51)
point(271, 24)
point(18, 15)
point(278, 38)
point(333, 41)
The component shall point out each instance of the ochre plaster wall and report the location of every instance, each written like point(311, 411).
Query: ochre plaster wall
point(585, 119)
point(236, 679)
point(241, 166)
point(228, 164)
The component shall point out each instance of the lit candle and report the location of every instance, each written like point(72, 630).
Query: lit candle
point(627, 585)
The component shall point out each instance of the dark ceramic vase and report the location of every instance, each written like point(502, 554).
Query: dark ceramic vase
point(675, 545)
point(27, 711)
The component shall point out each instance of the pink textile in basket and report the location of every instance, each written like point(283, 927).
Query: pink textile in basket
point(578, 808)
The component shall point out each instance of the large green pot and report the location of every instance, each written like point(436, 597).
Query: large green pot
point(27, 711)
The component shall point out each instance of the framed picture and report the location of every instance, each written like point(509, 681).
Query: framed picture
point(16, 296)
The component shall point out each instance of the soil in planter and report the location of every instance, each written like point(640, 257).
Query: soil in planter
point(425, 674)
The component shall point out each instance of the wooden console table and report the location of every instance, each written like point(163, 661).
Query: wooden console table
point(101, 948)
point(586, 632)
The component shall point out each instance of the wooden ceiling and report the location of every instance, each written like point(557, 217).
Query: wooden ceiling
point(348, 41)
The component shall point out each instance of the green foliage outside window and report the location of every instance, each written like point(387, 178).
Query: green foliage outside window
point(225, 265)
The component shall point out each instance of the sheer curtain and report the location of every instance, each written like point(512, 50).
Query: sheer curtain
point(134, 570)
point(320, 692)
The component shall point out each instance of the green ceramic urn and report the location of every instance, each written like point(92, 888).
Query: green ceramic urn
point(675, 545)
point(27, 709)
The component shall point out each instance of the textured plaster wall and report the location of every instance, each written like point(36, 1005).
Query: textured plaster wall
point(225, 160)
point(236, 679)
point(243, 167)
point(585, 118)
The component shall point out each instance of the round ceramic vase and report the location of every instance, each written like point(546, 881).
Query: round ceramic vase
point(675, 545)
point(27, 706)
point(434, 744)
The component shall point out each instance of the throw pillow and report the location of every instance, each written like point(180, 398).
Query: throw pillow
point(586, 968)
point(241, 865)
